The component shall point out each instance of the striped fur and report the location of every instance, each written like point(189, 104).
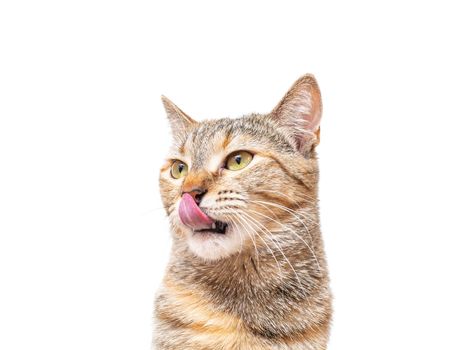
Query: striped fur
point(264, 284)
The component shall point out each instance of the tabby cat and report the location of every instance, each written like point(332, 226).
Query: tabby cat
point(247, 268)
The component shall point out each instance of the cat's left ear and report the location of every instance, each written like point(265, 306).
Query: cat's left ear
point(299, 113)
point(180, 122)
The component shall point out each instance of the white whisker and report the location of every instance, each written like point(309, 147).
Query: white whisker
point(271, 236)
point(278, 193)
point(282, 207)
point(249, 234)
point(239, 217)
point(296, 233)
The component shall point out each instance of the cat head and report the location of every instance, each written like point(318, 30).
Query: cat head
point(228, 183)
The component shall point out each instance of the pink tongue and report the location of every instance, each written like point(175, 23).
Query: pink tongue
point(191, 215)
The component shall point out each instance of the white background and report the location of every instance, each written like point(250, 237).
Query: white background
point(83, 239)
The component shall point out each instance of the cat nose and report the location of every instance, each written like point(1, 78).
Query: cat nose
point(196, 193)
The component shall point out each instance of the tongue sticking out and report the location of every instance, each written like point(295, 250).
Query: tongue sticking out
point(191, 215)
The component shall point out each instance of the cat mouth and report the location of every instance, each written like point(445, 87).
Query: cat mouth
point(195, 218)
point(217, 227)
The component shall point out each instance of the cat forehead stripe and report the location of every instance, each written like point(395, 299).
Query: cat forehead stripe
point(204, 142)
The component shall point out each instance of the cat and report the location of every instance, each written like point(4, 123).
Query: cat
point(247, 267)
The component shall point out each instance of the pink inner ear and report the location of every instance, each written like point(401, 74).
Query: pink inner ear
point(314, 114)
point(308, 119)
point(301, 107)
point(300, 112)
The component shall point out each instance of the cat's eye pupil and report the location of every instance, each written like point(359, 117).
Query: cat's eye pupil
point(238, 160)
point(178, 169)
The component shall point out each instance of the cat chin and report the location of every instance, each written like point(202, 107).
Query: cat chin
point(210, 246)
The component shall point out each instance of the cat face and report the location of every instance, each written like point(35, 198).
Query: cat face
point(230, 185)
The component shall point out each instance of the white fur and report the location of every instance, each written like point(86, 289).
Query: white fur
point(212, 246)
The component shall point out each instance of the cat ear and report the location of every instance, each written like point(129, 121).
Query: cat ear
point(299, 113)
point(179, 121)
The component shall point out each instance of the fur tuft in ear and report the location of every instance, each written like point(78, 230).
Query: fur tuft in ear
point(299, 113)
point(179, 121)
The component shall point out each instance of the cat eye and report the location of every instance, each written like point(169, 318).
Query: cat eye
point(178, 169)
point(238, 160)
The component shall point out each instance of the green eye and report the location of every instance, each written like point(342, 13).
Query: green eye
point(178, 169)
point(238, 160)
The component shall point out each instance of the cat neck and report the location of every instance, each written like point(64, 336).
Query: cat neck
point(291, 266)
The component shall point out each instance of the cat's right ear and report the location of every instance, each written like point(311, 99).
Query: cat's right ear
point(299, 113)
point(180, 122)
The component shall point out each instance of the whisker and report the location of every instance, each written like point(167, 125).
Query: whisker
point(251, 237)
point(312, 201)
point(286, 209)
point(270, 235)
point(233, 224)
point(296, 233)
point(150, 211)
point(304, 213)
point(239, 232)
point(239, 217)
